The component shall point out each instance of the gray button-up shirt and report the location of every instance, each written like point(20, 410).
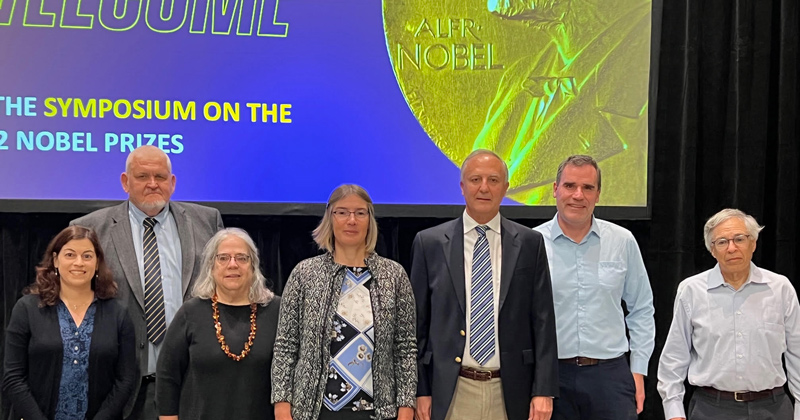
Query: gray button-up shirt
point(731, 340)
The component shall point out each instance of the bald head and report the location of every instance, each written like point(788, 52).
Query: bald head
point(148, 179)
point(149, 152)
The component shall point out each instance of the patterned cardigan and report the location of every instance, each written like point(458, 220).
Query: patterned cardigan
point(302, 346)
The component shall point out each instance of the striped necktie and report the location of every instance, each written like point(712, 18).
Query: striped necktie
point(481, 314)
point(153, 292)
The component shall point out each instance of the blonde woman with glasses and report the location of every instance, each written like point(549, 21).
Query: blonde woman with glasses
point(346, 345)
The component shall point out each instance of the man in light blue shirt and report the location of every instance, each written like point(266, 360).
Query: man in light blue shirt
point(731, 326)
point(594, 266)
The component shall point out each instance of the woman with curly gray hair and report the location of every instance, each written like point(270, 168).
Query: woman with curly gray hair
point(222, 337)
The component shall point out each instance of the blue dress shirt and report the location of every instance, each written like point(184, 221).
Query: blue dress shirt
point(590, 279)
point(731, 340)
point(73, 390)
point(169, 254)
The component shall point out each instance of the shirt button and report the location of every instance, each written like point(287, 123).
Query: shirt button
point(458, 360)
point(76, 348)
point(740, 377)
point(739, 356)
point(74, 362)
point(76, 333)
point(738, 312)
point(739, 334)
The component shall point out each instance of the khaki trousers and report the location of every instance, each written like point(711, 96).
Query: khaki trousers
point(477, 400)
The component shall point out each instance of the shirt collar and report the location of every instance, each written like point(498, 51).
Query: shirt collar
point(715, 278)
point(470, 223)
point(556, 231)
point(139, 215)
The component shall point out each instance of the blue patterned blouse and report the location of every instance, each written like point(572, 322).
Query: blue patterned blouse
point(349, 385)
point(73, 392)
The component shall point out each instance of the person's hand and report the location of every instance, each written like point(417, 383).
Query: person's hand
point(423, 408)
point(541, 408)
point(405, 413)
point(638, 379)
point(283, 411)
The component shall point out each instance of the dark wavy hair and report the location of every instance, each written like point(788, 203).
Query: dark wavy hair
point(48, 283)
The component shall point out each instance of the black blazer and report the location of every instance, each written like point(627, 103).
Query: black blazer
point(33, 360)
point(526, 320)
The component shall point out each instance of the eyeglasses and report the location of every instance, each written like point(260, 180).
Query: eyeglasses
point(344, 214)
point(722, 243)
point(223, 259)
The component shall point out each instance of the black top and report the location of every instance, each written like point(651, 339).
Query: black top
point(33, 360)
point(195, 379)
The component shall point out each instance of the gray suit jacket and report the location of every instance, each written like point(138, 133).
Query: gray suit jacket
point(526, 319)
point(196, 224)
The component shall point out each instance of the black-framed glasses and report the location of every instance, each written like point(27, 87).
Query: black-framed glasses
point(738, 241)
point(241, 259)
point(344, 214)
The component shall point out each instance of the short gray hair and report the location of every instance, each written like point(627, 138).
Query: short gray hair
point(206, 287)
point(323, 234)
point(131, 155)
point(579, 160)
point(479, 152)
point(753, 228)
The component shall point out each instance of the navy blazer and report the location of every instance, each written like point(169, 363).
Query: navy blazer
point(33, 360)
point(526, 319)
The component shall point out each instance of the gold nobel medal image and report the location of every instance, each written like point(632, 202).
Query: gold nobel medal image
point(534, 81)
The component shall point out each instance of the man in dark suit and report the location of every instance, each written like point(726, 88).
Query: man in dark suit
point(153, 247)
point(485, 321)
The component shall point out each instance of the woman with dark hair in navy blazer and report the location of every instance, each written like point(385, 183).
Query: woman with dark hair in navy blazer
point(70, 347)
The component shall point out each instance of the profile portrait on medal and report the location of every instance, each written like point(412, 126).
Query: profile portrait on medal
point(584, 91)
point(217, 353)
point(532, 81)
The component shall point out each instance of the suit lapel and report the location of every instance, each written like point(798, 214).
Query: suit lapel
point(511, 247)
point(123, 244)
point(186, 235)
point(454, 252)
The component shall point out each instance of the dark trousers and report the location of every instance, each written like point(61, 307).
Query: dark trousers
point(145, 406)
point(605, 391)
point(704, 406)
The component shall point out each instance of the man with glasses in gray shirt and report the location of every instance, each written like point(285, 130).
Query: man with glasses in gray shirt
point(730, 327)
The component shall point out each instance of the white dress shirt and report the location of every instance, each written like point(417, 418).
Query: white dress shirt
point(496, 255)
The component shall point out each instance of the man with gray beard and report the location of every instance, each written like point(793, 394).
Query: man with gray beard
point(153, 248)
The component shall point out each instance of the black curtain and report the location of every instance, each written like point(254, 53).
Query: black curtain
point(726, 135)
